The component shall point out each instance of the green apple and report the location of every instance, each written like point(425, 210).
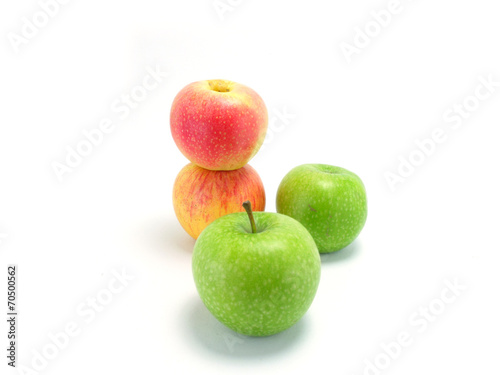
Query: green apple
point(257, 273)
point(329, 201)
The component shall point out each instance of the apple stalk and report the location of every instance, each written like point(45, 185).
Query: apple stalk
point(248, 208)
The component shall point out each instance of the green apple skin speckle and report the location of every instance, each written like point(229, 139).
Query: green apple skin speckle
point(257, 284)
point(329, 201)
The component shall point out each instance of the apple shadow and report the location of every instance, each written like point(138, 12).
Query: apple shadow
point(164, 234)
point(213, 336)
point(350, 252)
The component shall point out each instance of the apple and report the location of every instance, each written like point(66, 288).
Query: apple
point(218, 124)
point(257, 273)
point(329, 201)
point(200, 196)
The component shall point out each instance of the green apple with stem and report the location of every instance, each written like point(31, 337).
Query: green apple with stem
point(329, 201)
point(257, 273)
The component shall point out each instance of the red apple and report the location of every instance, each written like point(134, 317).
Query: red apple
point(218, 124)
point(201, 196)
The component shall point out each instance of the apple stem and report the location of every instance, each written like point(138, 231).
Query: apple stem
point(248, 208)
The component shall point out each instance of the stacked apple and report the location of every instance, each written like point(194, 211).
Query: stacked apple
point(219, 126)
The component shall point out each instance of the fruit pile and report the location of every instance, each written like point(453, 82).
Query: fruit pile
point(219, 126)
point(256, 272)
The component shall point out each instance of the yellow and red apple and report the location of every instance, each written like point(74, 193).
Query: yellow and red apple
point(218, 124)
point(201, 195)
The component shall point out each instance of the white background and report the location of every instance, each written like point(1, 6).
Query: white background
point(114, 210)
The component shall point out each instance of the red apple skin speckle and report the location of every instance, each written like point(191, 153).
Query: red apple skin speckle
point(218, 130)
